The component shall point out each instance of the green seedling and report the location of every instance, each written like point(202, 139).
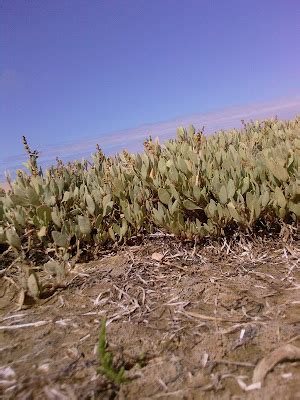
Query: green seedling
point(106, 359)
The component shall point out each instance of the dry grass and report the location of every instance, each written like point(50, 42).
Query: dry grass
point(186, 322)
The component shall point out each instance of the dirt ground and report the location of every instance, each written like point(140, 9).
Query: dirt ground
point(216, 321)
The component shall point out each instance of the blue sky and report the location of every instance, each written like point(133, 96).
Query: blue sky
point(77, 71)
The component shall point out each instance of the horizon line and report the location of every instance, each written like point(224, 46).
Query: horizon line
point(115, 141)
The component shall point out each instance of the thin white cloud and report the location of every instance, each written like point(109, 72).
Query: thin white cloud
point(132, 138)
point(222, 119)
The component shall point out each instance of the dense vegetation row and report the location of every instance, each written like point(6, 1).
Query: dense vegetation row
point(193, 186)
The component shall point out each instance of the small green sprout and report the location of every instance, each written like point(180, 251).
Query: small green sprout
point(106, 359)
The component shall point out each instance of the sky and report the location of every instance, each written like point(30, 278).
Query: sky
point(74, 73)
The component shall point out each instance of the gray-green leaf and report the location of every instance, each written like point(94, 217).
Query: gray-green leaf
point(84, 224)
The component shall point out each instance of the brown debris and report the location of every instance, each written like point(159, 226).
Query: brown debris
point(283, 353)
point(186, 322)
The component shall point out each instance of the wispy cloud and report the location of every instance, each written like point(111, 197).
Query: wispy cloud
point(132, 138)
point(222, 119)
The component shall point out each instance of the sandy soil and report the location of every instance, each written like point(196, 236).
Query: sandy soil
point(185, 322)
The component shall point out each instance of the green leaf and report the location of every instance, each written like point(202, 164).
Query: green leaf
point(182, 166)
point(108, 207)
point(280, 198)
point(295, 208)
point(44, 213)
point(246, 184)
point(278, 170)
point(52, 267)
point(124, 228)
point(223, 195)
point(144, 171)
point(257, 209)
point(66, 196)
point(33, 285)
point(174, 207)
point(26, 165)
point(84, 224)
point(116, 228)
point(181, 132)
point(56, 217)
point(60, 184)
point(221, 211)
point(265, 198)
point(191, 131)
point(16, 200)
point(20, 217)
point(162, 166)
point(250, 200)
point(173, 174)
point(197, 192)
point(42, 232)
point(112, 234)
point(106, 199)
point(282, 212)
point(164, 196)
point(60, 239)
point(32, 196)
point(158, 215)
point(98, 221)
point(90, 204)
point(13, 239)
point(212, 208)
point(230, 188)
point(189, 205)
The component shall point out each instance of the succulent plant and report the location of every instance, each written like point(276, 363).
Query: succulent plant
point(192, 186)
